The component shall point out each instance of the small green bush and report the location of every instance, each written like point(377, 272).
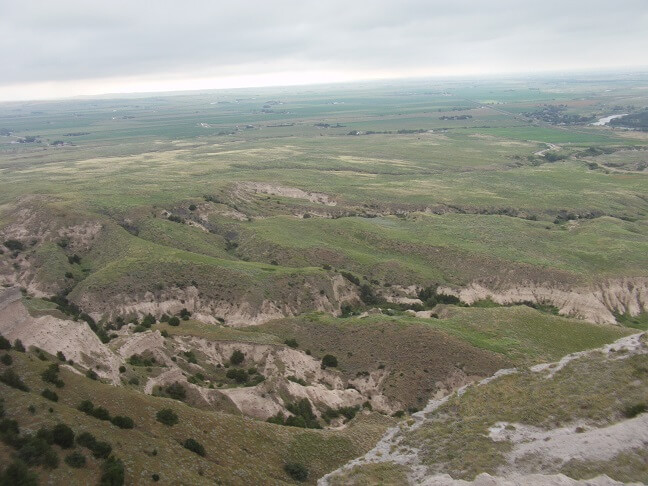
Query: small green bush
point(123, 422)
point(10, 378)
point(35, 451)
point(6, 359)
point(329, 361)
point(86, 406)
point(50, 395)
point(50, 375)
point(631, 411)
point(237, 357)
point(75, 460)
point(237, 374)
point(167, 417)
point(4, 343)
point(194, 446)
point(176, 391)
point(291, 343)
point(297, 471)
point(101, 449)
point(14, 245)
point(17, 473)
point(86, 439)
point(63, 435)
point(100, 413)
point(19, 346)
point(112, 472)
point(174, 321)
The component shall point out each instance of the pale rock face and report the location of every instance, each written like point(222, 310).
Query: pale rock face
point(595, 303)
point(74, 339)
point(519, 480)
point(291, 192)
point(236, 314)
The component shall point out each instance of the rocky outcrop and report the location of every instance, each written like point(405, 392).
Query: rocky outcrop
point(73, 338)
point(596, 303)
point(248, 310)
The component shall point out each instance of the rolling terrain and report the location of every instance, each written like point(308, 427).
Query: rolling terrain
point(295, 272)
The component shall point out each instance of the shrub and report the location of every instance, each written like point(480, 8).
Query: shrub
point(192, 207)
point(17, 473)
point(60, 356)
point(92, 374)
point(101, 449)
point(155, 477)
point(6, 359)
point(10, 378)
point(167, 417)
point(122, 369)
point(63, 436)
point(50, 395)
point(19, 346)
point(348, 412)
point(174, 321)
point(139, 360)
point(86, 439)
point(631, 411)
point(297, 471)
point(278, 419)
point(4, 342)
point(303, 415)
point(185, 314)
point(237, 374)
point(291, 343)
point(35, 451)
point(191, 357)
point(148, 320)
point(123, 422)
point(329, 361)
point(100, 413)
point(351, 278)
point(294, 379)
point(176, 391)
point(112, 472)
point(237, 357)
point(45, 434)
point(86, 406)
point(75, 460)
point(194, 446)
point(14, 245)
point(368, 296)
point(50, 375)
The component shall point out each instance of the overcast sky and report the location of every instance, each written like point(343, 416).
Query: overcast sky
point(53, 48)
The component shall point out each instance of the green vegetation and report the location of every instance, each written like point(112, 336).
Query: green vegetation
point(297, 471)
point(167, 417)
point(347, 201)
point(194, 446)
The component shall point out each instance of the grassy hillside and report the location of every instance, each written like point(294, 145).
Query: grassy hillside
point(237, 449)
point(590, 393)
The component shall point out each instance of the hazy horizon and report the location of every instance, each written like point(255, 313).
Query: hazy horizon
point(67, 49)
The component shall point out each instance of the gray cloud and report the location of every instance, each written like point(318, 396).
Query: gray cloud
point(76, 39)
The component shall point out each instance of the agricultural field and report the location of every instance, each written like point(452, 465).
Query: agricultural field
point(295, 271)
